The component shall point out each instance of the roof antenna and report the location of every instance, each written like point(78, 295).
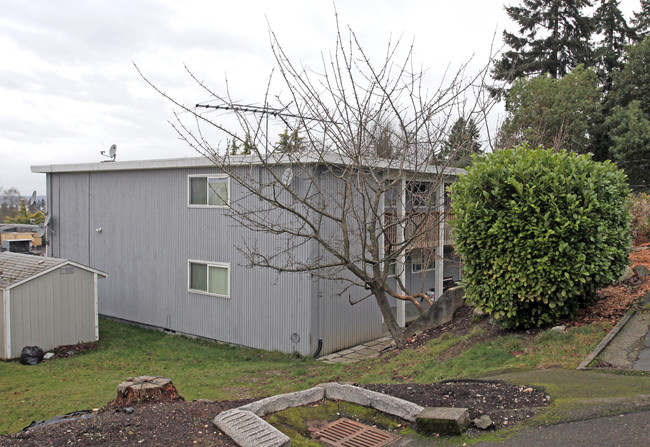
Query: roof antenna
point(111, 153)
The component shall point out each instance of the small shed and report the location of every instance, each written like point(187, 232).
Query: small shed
point(47, 302)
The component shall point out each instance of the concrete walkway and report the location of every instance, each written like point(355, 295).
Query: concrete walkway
point(360, 352)
point(629, 347)
point(628, 430)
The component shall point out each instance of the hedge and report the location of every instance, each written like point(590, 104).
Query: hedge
point(539, 232)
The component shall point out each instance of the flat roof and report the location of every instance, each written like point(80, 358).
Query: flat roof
point(205, 162)
point(166, 163)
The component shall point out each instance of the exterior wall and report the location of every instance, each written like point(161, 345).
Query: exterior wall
point(52, 310)
point(341, 324)
point(69, 207)
point(136, 226)
point(148, 234)
point(3, 347)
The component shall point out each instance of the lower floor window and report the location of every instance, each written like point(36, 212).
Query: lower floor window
point(422, 260)
point(211, 278)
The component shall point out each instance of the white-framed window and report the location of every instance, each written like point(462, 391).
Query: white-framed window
point(208, 190)
point(422, 262)
point(210, 278)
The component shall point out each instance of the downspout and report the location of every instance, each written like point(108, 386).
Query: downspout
point(48, 207)
point(319, 293)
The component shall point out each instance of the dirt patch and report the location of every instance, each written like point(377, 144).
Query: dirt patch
point(66, 351)
point(505, 404)
point(150, 424)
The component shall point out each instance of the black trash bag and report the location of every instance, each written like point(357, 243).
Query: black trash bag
point(31, 355)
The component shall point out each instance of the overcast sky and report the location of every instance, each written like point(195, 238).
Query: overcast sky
point(68, 87)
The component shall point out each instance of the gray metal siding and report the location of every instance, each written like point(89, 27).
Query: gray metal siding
point(3, 346)
point(148, 234)
point(53, 310)
point(70, 210)
point(342, 324)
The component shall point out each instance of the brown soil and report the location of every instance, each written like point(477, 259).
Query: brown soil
point(182, 423)
point(175, 423)
point(505, 404)
point(66, 351)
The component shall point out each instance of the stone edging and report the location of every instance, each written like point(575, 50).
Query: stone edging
point(607, 340)
point(247, 428)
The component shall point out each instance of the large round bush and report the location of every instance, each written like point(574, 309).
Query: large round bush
point(539, 231)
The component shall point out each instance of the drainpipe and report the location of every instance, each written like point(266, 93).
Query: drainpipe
point(319, 293)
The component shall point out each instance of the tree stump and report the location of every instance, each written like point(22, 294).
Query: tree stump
point(145, 389)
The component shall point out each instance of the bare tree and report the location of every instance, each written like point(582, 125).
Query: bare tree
point(361, 192)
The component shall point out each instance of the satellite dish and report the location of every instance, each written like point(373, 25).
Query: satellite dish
point(32, 199)
point(287, 176)
point(42, 227)
point(111, 152)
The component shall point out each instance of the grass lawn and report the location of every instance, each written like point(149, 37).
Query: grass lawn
point(201, 369)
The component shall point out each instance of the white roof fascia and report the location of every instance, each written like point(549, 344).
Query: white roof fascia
point(51, 269)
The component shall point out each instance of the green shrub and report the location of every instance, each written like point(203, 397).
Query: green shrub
point(539, 232)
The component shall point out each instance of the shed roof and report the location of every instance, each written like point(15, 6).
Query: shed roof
point(16, 268)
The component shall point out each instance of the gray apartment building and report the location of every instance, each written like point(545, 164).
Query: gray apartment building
point(170, 252)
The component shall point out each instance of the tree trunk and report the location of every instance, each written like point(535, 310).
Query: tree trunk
point(389, 319)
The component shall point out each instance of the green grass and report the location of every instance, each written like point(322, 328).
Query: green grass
point(198, 368)
point(578, 395)
point(202, 369)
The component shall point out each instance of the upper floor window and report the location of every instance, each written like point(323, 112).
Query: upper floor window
point(208, 190)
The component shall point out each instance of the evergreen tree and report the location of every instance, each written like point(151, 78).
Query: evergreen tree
point(289, 142)
point(630, 136)
point(633, 82)
point(628, 125)
point(615, 34)
point(554, 113)
point(240, 149)
point(463, 141)
point(553, 39)
point(641, 20)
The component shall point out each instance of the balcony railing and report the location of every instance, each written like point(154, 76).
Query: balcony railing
point(421, 228)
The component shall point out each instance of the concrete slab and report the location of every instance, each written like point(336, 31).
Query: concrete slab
point(624, 348)
point(442, 421)
point(249, 430)
point(281, 402)
point(642, 363)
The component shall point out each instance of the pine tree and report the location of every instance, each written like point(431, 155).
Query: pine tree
point(463, 141)
point(641, 21)
point(289, 142)
point(553, 38)
point(615, 34)
point(633, 82)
